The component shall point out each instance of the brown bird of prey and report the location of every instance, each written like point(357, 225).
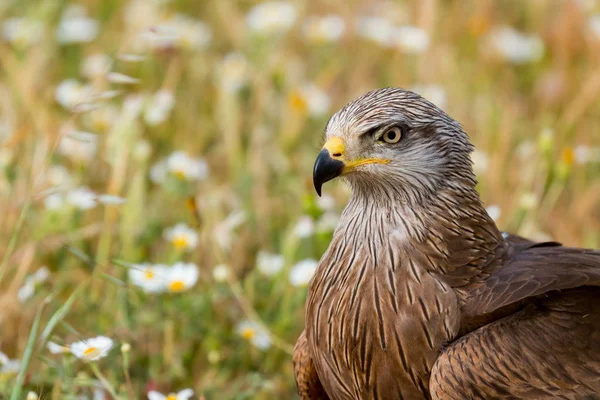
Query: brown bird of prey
point(419, 295)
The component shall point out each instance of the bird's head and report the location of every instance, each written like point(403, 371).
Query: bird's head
point(395, 142)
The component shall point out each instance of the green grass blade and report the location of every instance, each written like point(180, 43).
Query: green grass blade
point(59, 315)
point(16, 393)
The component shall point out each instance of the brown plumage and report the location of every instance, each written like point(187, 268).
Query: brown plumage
point(419, 295)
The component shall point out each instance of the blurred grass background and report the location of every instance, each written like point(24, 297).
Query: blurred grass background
point(98, 94)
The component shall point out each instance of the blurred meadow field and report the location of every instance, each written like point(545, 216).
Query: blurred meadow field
point(158, 224)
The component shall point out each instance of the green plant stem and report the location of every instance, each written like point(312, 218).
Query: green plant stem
point(103, 380)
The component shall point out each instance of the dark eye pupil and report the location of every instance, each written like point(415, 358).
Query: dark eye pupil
point(392, 135)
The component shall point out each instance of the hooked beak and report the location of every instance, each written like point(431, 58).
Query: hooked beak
point(330, 163)
point(326, 168)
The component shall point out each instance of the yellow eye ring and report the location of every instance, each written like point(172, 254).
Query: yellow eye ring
point(392, 135)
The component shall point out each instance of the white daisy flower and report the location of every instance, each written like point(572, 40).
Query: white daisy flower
point(376, 29)
point(102, 118)
point(480, 161)
point(92, 349)
point(329, 28)
point(41, 275)
point(328, 222)
point(410, 39)
point(180, 31)
point(233, 72)
point(185, 167)
point(317, 100)
point(434, 93)
point(82, 198)
point(494, 212)
point(77, 145)
point(309, 99)
point(516, 47)
point(182, 237)
point(184, 394)
point(159, 107)
point(8, 365)
point(96, 65)
point(55, 348)
point(594, 25)
point(58, 176)
point(32, 396)
point(181, 277)
point(305, 227)
point(181, 166)
point(54, 201)
point(302, 272)
point(99, 394)
point(150, 278)
point(269, 264)
point(528, 201)
point(271, 17)
point(26, 291)
point(142, 150)
point(585, 154)
point(224, 231)
point(117, 77)
point(22, 32)
point(71, 93)
point(254, 333)
point(76, 27)
point(326, 202)
point(110, 199)
point(221, 273)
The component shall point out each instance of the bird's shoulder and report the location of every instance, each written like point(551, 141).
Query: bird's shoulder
point(528, 269)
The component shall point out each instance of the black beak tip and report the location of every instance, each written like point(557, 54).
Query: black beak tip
point(326, 168)
point(318, 188)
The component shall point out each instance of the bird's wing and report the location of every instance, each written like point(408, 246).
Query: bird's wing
point(532, 270)
point(307, 381)
point(549, 349)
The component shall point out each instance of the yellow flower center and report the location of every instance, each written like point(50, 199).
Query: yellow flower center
point(248, 333)
point(176, 286)
point(297, 102)
point(179, 174)
point(91, 352)
point(172, 396)
point(180, 242)
point(101, 124)
point(568, 155)
point(149, 275)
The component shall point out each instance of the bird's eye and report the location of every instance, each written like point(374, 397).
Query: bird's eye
point(392, 135)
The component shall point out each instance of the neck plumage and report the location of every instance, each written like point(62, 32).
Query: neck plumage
point(449, 233)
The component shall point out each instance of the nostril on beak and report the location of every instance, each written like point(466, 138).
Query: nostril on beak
point(337, 154)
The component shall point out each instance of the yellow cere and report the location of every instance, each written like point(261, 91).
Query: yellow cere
point(335, 146)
